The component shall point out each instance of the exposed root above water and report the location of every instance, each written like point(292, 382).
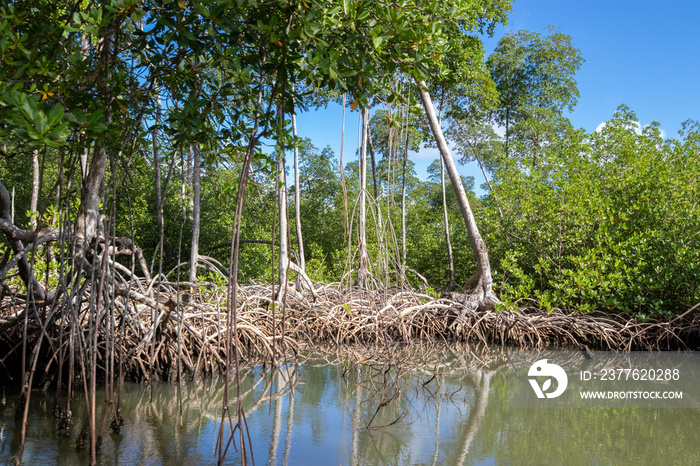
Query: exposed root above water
point(359, 315)
point(142, 337)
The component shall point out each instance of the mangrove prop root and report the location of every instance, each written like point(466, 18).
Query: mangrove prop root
point(331, 314)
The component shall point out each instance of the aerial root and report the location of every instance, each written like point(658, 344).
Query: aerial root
point(194, 331)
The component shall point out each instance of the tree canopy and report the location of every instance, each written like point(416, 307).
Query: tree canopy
point(535, 81)
point(88, 84)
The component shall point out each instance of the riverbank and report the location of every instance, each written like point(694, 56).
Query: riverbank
point(187, 332)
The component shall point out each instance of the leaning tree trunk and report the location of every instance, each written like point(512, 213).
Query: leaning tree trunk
point(481, 294)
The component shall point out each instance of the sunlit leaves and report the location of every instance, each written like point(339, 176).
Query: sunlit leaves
point(601, 222)
point(534, 76)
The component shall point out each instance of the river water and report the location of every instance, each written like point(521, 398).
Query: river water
point(437, 405)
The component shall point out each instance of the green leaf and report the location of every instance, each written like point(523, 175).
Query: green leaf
point(55, 115)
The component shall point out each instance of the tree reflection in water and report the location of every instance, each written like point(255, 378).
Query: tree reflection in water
point(398, 404)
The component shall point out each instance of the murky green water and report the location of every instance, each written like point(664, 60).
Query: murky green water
point(350, 408)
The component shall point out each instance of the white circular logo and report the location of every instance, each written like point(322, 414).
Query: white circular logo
point(541, 369)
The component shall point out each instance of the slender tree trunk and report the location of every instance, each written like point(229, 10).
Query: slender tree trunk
point(389, 157)
point(381, 260)
point(156, 165)
point(403, 197)
point(34, 203)
point(375, 181)
point(444, 201)
point(297, 197)
point(447, 224)
point(475, 152)
point(507, 135)
point(84, 51)
point(196, 176)
point(362, 241)
point(486, 177)
point(389, 164)
point(190, 173)
point(482, 295)
point(342, 174)
point(282, 200)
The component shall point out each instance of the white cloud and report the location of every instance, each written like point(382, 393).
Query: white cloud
point(637, 129)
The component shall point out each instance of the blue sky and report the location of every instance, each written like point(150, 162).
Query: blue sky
point(644, 54)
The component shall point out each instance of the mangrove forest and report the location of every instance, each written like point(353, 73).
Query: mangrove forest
point(163, 216)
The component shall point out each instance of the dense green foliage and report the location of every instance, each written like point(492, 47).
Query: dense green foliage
point(604, 221)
